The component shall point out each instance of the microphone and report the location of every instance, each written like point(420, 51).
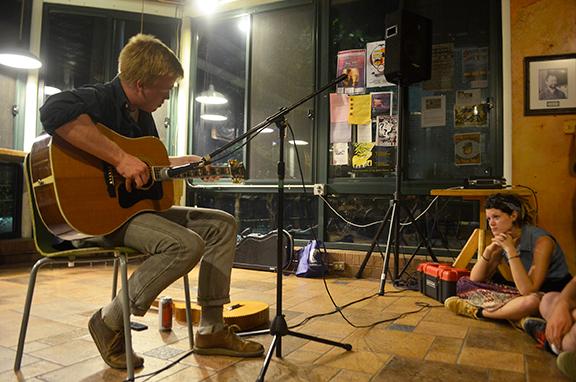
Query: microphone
point(342, 77)
point(172, 172)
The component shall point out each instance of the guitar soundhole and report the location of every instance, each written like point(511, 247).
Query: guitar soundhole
point(128, 199)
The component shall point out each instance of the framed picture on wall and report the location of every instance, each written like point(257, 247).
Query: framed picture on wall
point(550, 84)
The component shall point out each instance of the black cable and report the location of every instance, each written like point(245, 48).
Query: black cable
point(154, 373)
point(339, 309)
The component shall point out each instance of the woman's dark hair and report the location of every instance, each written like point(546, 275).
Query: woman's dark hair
point(509, 203)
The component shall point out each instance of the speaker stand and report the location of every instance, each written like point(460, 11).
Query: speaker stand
point(394, 213)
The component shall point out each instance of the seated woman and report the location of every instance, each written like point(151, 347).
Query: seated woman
point(535, 260)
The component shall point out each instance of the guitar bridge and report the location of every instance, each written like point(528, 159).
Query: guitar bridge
point(109, 179)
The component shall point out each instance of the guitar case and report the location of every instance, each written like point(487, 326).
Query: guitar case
point(258, 251)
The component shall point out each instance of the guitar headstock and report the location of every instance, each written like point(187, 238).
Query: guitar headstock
point(237, 170)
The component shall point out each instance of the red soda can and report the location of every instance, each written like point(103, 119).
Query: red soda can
point(165, 314)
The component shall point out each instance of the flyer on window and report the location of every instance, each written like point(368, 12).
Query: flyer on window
point(433, 111)
point(340, 154)
point(360, 109)
point(353, 63)
point(364, 133)
point(442, 68)
point(475, 67)
point(339, 107)
point(387, 130)
point(470, 116)
point(469, 97)
point(375, 57)
point(362, 156)
point(381, 103)
point(467, 149)
point(340, 132)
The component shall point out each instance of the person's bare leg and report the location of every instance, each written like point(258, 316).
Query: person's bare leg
point(515, 309)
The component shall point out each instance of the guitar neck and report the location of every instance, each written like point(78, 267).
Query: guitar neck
point(202, 172)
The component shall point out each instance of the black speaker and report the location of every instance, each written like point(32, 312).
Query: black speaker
point(408, 57)
point(260, 251)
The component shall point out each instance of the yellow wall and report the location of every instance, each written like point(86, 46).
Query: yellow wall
point(541, 150)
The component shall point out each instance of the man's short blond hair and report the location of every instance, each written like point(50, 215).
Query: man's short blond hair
point(146, 58)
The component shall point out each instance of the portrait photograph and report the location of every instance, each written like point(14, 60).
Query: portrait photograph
point(550, 84)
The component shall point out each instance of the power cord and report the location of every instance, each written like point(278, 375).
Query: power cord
point(337, 308)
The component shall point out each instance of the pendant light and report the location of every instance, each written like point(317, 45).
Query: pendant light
point(211, 97)
point(19, 58)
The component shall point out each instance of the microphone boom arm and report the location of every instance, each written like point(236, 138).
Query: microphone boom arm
point(269, 120)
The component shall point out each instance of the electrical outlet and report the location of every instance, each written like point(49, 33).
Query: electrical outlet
point(338, 265)
point(319, 189)
point(570, 126)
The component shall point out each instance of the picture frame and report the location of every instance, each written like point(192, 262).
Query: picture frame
point(550, 84)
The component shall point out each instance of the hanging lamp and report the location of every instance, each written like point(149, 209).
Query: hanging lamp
point(18, 57)
point(211, 97)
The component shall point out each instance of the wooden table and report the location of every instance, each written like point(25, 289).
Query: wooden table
point(10, 155)
point(477, 240)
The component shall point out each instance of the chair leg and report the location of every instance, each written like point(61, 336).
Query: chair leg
point(26, 314)
point(126, 314)
point(115, 279)
point(188, 311)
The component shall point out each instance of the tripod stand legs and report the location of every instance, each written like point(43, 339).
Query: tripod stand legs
point(279, 329)
point(374, 243)
point(394, 230)
point(386, 264)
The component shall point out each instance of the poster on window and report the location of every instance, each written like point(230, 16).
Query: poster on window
point(442, 68)
point(340, 154)
point(381, 103)
point(475, 67)
point(375, 56)
point(387, 130)
point(470, 116)
point(353, 63)
point(362, 156)
point(467, 149)
point(433, 111)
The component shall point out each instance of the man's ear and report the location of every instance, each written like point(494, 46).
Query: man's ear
point(139, 85)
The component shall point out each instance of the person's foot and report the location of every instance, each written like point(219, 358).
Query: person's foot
point(460, 306)
point(536, 328)
point(111, 344)
point(226, 342)
point(566, 362)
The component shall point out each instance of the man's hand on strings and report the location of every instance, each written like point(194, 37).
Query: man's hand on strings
point(134, 171)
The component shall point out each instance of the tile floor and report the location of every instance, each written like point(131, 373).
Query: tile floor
point(430, 345)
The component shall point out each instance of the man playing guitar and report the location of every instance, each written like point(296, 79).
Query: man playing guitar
point(177, 238)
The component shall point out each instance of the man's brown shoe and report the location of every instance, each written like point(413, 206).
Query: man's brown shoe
point(111, 344)
point(226, 342)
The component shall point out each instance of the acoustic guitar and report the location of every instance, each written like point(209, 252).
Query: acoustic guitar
point(246, 314)
point(79, 195)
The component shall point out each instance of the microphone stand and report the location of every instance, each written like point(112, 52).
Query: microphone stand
point(278, 327)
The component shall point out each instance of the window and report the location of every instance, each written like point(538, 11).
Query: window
point(80, 46)
point(221, 72)
point(451, 130)
point(281, 72)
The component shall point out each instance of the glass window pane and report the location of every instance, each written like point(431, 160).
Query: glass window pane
point(446, 225)
point(282, 62)
point(73, 46)
point(450, 130)
point(221, 68)
point(256, 212)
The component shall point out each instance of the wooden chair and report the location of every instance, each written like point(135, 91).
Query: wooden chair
point(44, 241)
